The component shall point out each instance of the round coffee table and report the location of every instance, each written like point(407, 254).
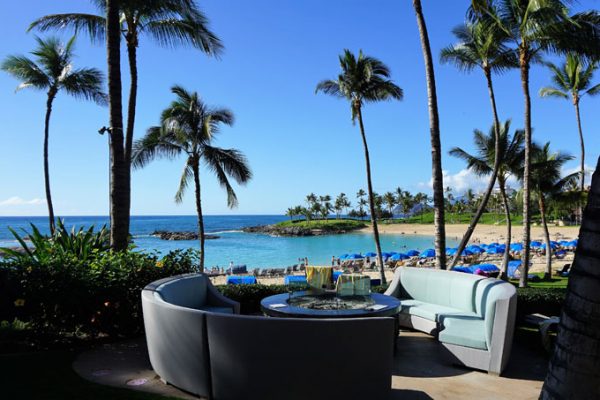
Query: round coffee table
point(307, 304)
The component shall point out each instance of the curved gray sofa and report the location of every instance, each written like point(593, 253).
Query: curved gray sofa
point(226, 356)
point(473, 317)
point(175, 312)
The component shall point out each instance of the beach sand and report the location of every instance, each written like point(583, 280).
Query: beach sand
point(482, 234)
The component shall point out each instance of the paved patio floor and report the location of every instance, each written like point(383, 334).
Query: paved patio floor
point(421, 371)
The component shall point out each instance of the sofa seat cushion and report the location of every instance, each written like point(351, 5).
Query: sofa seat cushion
point(216, 309)
point(463, 331)
point(432, 312)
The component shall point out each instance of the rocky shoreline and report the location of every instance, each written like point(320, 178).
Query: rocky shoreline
point(168, 235)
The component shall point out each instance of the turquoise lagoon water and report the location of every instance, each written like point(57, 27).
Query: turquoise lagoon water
point(252, 249)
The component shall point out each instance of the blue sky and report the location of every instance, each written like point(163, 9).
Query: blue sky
point(297, 142)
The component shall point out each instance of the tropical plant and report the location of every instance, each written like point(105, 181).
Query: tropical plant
point(290, 212)
point(535, 27)
point(577, 349)
point(573, 80)
point(341, 203)
point(189, 126)
point(482, 164)
point(170, 23)
point(52, 71)
point(547, 183)
point(482, 45)
point(436, 147)
point(363, 79)
point(37, 247)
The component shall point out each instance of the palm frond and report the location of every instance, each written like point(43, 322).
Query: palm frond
point(330, 87)
point(553, 92)
point(224, 163)
point(27, 71)
point(187, 174)
point(85, 83)
point(155, 144)
point(93, 25)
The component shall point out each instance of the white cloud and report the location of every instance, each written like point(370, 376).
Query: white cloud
point(465, 179)
point(18, 201)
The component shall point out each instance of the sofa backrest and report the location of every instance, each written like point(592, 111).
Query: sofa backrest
point(445, 288)
point(288, 358)
point(186, 291)
point(488, 293)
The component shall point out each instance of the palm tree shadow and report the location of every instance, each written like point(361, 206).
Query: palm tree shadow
point(408, 394)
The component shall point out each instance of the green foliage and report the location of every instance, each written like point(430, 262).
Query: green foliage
point(81, 243)
point(326, 225)
point(543, 300)
point(61, 292)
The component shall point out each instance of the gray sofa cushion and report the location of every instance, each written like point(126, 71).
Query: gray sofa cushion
point(217, 309)
point(431, 312)
point(189, 291)
point(464, 331)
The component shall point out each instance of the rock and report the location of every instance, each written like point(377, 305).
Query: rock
point(168, 235)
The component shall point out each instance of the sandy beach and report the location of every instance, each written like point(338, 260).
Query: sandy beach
point(482, 234)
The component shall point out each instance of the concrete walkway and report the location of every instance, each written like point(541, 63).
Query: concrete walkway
point(421, 371)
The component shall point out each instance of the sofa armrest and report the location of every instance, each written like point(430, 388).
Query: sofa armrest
point(215, 298)
point(502, 328)
point(394, 288)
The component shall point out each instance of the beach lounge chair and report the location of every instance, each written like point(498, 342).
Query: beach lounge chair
point(241, 280)
point(294, 279)
point(564, 271)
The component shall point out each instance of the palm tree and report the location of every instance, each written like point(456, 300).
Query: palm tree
point(436, 148)
point(535, 27)
point(189, 126)
point(482, 164)
point(290, 212)
point(341, 203)
point(573, 80)
point(571, 374)
point(481, 45)
point(52, 71)
point(363, 79)
point(548, 184)
point(390, 200)
point(170, 23)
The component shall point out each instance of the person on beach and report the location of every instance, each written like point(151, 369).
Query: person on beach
point(333, 261)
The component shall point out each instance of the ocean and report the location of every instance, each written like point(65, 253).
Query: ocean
point(252, 249)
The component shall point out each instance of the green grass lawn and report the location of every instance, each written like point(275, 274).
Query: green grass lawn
point(557, 282)
point(454, 218)
point(49, 375)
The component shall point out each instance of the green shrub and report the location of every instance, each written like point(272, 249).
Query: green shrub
point(547, 301)
point(63, 293)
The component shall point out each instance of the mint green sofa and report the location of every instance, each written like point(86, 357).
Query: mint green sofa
point(473, 317)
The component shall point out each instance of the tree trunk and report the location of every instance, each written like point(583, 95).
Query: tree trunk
point(505, 257)
point(371, 199)
point(548, 273)
point(582, 168)
point(488, 191)
point(574, 371)
point(119, 185)
point(132, 55)
point(51, 95)
point(199, 211)
point(524, 63)
point(436, 148)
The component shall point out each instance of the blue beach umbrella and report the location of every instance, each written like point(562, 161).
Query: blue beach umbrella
point(399, 257)
point(412, 253)
point(428, 253)
point(343, 256)
point(495, 250)
point(572, 243)
point(516, 247)
point(536, 243)
point(563, 243)
point(354, 256)
point(371, 254)
point(475, 249)
point(388, 254)
point(450, 251)
point(466, 252)
point(494, 244)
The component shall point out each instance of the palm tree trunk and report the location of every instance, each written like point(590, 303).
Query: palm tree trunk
point(436, 151)
point(371, 199)
point(488, 191)
point(199, 212)
point(526, 170)
point(119, 185)
point(582, 168)
point(505, 257)
point(548, 273)
point(51, 95)
point(132, 55)
point(573, 371)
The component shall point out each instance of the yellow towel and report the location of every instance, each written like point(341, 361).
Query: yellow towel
point(353, 284)
point(319, 277)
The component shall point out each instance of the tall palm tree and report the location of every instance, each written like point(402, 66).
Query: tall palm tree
point(547, 183)
point(534, 27)
point(572, 374)
point(573, 80)
point(436, 147)
point(481, 45)
point(390, 200)
point(363, 79)
point(52, 71)
point(510, 154)
point(189, 126)
point(170, 23)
